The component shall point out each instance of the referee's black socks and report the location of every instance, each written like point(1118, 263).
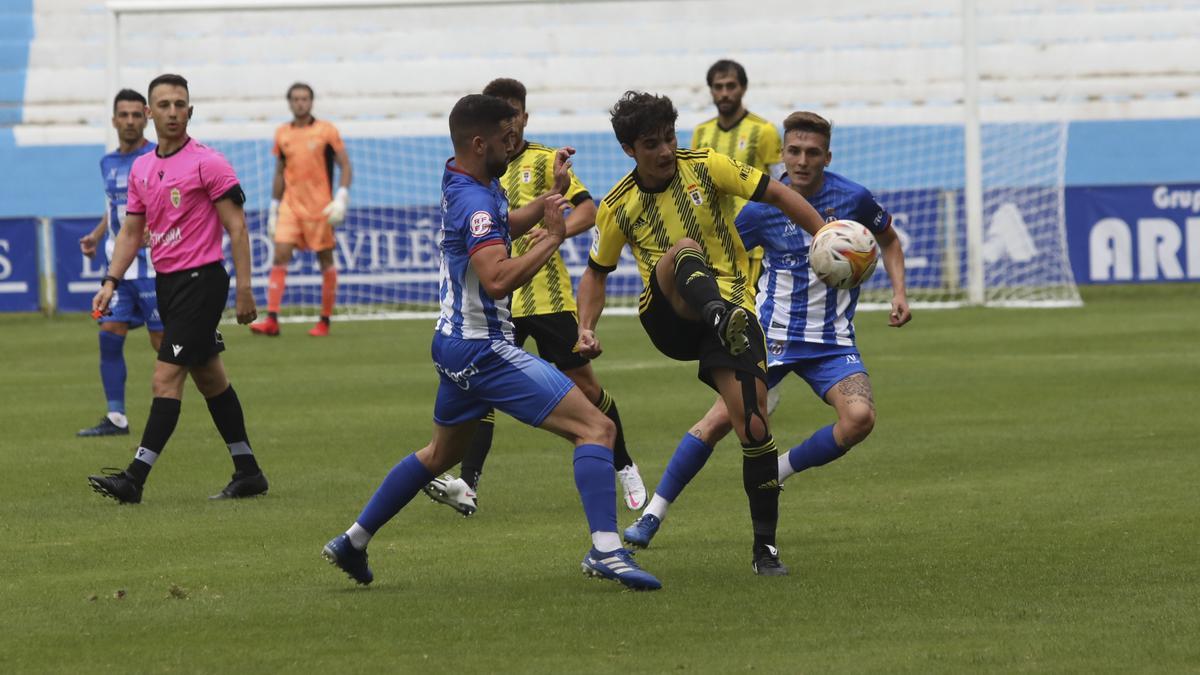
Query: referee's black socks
point(760, 478)
point(695, 282)
point(226, 411)
point(164, 415)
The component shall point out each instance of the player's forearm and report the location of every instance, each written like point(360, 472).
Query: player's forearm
point(582, 218)
point(794, 206)
point(101, 226)
point(893, 262)
point(513, 273)
point(347, 172)
point(523, 219)
point(590, 298)
point(277, 186)
point(129, 240)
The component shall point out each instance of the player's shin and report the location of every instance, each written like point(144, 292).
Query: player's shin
point(608, 406)
point(164, 415)
point(226, 411)
point(477, 452)
point(594, 479)
point(329, 280)
point(402, 483)
point(817, 450)
point(695, 282)
point(276, 284)
point(689, 457)
point(112, 370)
point(760, 478)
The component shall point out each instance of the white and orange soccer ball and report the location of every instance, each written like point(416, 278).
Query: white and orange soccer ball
point(843, 254)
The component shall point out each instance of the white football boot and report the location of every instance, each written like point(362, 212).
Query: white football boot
point(453, 492)
point(633, 487)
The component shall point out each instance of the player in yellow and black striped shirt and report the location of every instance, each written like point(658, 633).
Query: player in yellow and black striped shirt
point(676, 212)
point(739, 133)
point(544, 309)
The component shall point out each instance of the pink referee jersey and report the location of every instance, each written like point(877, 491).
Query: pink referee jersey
point(176, 194)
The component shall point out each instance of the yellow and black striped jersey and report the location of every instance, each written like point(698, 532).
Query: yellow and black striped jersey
point(700, 202)
point(531, 174)
point(753, 140)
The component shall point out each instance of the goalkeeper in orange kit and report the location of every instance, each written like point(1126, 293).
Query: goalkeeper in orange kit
point(304, 207)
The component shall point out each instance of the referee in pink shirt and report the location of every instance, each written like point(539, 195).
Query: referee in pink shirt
point(183, 194)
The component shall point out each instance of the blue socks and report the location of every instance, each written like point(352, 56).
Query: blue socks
point(595, 479)
point(818, 450)
point(403, 482)
point(689, 458)
point(112, 370)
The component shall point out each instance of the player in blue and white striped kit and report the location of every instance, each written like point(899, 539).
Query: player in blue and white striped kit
point(809, 326)
point(136, 303)
point(479, 365)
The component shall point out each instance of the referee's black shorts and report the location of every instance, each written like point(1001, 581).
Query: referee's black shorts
point(190, 303)
point(686, 340)
point(555, 334)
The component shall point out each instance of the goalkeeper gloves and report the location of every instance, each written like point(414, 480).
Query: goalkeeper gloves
point(336, 210)
point(272, 218)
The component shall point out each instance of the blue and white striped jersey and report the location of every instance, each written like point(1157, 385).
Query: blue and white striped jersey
point(793, 305)
point(474, 215)
point(114, 168)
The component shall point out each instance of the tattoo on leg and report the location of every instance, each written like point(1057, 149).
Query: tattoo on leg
point(857, 388)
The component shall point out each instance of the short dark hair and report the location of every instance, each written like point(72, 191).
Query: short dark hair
point(475, 115)
point(808, 122)
point(638, 114)
point(300, 85)
point(127, 95)
point(167, 78)
point(725, 66)
point(506, 88)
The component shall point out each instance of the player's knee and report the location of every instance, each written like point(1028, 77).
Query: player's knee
point(857, 422)
point(598, 429)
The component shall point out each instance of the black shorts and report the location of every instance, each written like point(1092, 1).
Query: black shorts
point(686, 340)
point(190, 303)
point(555, 335)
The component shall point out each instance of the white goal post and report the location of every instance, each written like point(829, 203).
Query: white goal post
point(976, 189)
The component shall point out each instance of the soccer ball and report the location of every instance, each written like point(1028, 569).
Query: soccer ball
point(843, 254)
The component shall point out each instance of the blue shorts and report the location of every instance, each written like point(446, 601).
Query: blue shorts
point(820, 368)
point(478, 375)
point(135, 303)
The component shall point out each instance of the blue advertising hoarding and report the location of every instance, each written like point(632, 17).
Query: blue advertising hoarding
point(1135, 233)
point(78, 276)
point(19, 289)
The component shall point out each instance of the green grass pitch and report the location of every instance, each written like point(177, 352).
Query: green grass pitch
point(1028, 502)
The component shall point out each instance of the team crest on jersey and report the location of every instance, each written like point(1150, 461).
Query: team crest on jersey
point(742, 142)
point(481, 223)
point(312, 145)
point(175, 197)
point(829, 215)
point(526, 174)
point(693, 191)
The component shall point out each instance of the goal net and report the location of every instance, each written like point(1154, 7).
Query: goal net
point(387, 73)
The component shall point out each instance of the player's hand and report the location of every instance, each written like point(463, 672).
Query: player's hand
point(900, 314)
point(101, 300)
point(87, 245)
point(588, 345)
point(335, 211)
point(272, 218)
point(535, 235)
point(244, 306)
point(562, 169)
point(553, 220)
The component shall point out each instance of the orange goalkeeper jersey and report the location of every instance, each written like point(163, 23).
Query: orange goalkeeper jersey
point(307, 153)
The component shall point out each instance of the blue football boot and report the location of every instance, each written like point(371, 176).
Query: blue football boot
point(352, 561)
point(642, 531)
point(619, 566)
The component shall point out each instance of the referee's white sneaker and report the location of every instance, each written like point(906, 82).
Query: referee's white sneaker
point(633, 487)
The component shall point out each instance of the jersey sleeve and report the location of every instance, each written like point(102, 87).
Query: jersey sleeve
point(747, 222)
point(478, 223)
point(770, 153)
point(868, 212)
point(606, 247)
point(135, 202)
point(216, 175)
point(577, 193)
point(736, 178)
point(333, 138)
